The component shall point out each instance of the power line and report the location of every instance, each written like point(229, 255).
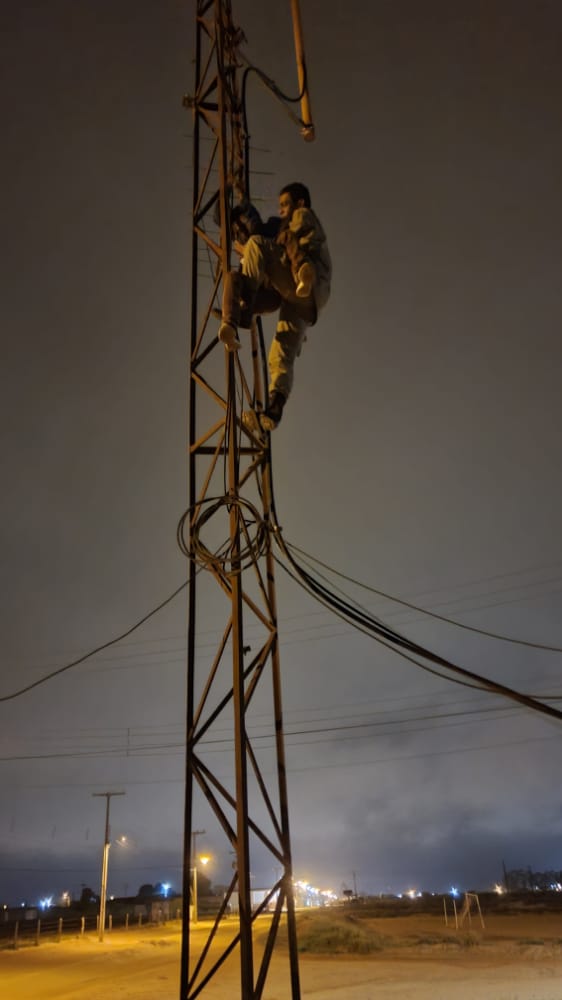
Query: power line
point(179, 748)
point(224, 744)
point(450, 587)
point(425, 611)
point(421, 756)
point(92, 652)
point(364, 622)
point(384, 635)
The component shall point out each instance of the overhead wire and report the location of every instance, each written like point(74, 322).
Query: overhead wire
point(221, 744)
point(301, 716)
point(430, 614)
point(481, 581)
point(363, 622)
point(397, 642)
point(98, 649)
point(368, 632)
point(177, 748)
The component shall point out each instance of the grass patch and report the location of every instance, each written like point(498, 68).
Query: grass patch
point(430, 938)
point(468, 940)
point(324, 934)
point(437, 939)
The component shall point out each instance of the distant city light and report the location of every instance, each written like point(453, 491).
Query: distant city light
point(165, 888)
point(311, 895)
point(44, 903)
point(453, 891)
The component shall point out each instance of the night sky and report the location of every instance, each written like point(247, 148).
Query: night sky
point(419, 453)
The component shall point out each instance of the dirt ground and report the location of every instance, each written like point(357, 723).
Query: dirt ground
point(513, 958)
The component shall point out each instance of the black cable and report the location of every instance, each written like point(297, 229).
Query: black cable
point(98, 649)
point(424, 611)
point(366, 631)
point(271, 85)
point(217, 561)
point(366, 628)
point(366, 623)
point(226, 742)
point(396, 639)
point(284, 98)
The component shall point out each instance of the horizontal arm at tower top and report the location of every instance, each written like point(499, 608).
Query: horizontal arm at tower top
point(308, 131)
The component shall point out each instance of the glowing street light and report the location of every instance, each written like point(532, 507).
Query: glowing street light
point(204, 859)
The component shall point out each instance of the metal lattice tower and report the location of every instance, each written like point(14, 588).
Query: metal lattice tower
point(226, 533)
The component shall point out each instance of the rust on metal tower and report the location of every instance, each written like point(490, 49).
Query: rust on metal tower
point(226, 534)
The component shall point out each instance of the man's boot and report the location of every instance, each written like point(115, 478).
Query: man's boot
point(271, 417)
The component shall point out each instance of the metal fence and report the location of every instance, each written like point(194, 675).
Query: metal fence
point(25, 932)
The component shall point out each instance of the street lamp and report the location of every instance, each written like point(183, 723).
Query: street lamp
point(204, 859)
point(105, 858)
point(194, 835)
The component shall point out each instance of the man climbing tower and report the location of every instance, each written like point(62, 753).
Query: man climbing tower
point(290, 272)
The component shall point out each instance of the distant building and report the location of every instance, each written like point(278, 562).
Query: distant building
point(526, 880)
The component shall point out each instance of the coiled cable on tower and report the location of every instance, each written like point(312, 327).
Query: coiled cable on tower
point(224, 559)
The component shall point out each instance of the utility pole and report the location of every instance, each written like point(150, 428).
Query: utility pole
point(105, 858)
point(227, 530)
point(194, 835)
